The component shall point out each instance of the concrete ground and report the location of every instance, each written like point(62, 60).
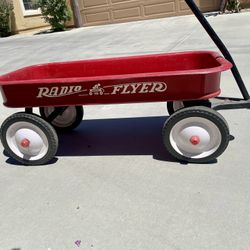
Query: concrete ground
point(114, 187)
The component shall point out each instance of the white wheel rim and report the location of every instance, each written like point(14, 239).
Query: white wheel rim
point(20, 132)
point(205, 131)
point(178, 105)
point(66, 119)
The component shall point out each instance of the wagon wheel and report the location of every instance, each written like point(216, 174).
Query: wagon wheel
point(29, 139)
point(172, 107)
point(197, 134)
point(70, 118)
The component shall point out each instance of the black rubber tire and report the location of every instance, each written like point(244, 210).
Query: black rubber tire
point(75, 123)
point(203, 112)
point(187, 104)
point(45, 127)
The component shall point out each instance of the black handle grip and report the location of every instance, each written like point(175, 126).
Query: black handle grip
point(203, 21)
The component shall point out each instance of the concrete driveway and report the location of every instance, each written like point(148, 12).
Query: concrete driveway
point(113, 186)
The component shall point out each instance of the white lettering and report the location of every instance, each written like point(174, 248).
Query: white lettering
point(135, 87)
point(58, 91)
point(78, 88)
point(145, 86)
point(158, 87)
point(71, 89)
point(116, 89)
point(140, 87)
point(128, 88)
point(63, 91)
point(42, 92)
point(125, 89)
point(54, 91)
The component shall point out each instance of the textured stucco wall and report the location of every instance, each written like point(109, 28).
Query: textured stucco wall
point(20, 22)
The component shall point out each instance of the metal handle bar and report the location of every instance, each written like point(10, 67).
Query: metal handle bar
point(203, 21)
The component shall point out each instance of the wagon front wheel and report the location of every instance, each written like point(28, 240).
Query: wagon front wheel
point(69, 119)
point(197, 134)
point(29, 139)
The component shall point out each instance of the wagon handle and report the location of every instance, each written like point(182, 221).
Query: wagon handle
point(210, 31)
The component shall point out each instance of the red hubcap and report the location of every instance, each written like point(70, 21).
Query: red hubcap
point(25, 143)
point(195, 140)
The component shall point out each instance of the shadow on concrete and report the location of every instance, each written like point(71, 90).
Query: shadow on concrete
point(12, 161)
point(49, 31)
point(124, 136)
point(45, 31)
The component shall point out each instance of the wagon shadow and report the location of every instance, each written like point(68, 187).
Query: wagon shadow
point(123, 136)
point(13, 162)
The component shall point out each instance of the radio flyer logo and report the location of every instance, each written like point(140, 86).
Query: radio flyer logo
point(98, 89)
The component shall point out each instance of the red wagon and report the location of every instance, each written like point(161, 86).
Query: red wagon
point(194, 132)
point(152, 78)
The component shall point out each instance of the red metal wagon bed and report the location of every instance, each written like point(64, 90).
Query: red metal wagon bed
point(186, 80)
point(147, 78)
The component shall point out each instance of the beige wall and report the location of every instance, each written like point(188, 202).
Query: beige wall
point(20, 22)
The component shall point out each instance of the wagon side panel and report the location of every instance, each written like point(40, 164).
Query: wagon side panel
point(109, 91)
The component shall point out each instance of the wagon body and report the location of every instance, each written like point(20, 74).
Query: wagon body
point(147, 78)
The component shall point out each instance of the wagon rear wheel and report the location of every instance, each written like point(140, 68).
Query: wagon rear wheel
point(172, 107)
point(29, 139)
point(69, 119)
point(197, 134)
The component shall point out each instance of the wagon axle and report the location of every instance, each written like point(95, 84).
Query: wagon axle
point(195, 140)
point(25, 143)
